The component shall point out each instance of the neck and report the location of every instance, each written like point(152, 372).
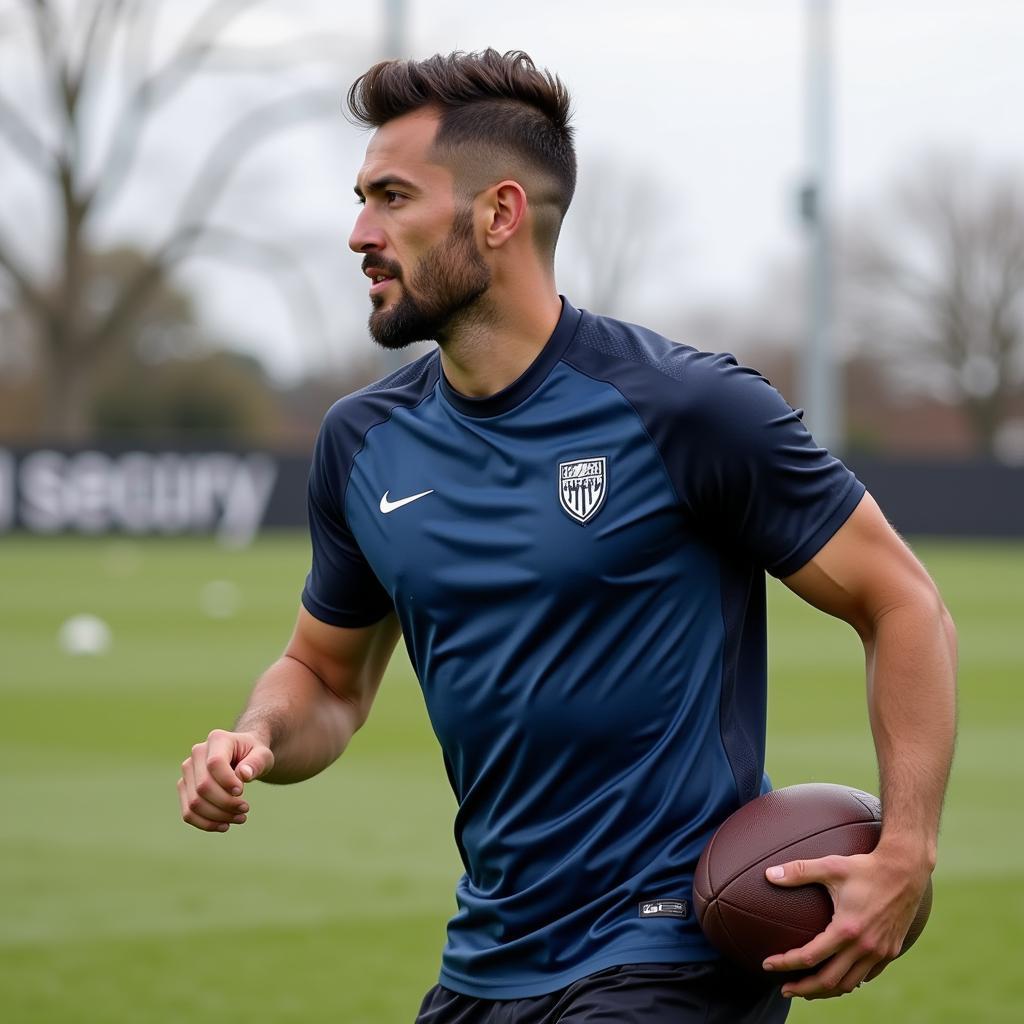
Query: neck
point(495, 342)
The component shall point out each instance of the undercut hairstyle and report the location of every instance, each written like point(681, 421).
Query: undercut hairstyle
point(500, 117)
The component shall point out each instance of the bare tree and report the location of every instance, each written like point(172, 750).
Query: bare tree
point(73, 49)
point(935, 282)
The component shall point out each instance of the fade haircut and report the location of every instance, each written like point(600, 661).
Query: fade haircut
point(500, 117)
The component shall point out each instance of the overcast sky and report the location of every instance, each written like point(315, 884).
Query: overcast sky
point(698, 103)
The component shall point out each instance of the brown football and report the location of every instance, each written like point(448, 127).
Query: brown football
point(746, 917)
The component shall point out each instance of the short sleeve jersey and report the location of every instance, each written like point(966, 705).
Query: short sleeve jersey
point(578, 566)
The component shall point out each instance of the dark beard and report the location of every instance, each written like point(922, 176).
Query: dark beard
point(450, 278)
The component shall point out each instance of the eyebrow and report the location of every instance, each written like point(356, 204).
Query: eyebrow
point(382, 184)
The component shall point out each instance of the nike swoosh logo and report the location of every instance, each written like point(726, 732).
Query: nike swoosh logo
point(390, 506)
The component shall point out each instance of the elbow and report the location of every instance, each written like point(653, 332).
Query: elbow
point(949, 630)
point(359, 712)
point(944, 626)
point(351, 709)
point(944, 621)
point(936, 607)
point(920, 602)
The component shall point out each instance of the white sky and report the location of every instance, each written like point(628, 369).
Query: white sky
point(699, 103)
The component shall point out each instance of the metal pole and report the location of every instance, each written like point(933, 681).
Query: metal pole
point(821, 390)
point(394, 29)
point(394, 43)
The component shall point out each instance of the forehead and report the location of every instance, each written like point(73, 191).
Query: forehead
point(402, 148)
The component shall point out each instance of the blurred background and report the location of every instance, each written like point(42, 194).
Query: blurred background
point(177, 188)
point(833, 191)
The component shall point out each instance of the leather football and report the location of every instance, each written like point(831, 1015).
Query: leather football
point(746, 917)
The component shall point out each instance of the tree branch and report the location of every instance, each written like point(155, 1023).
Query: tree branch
point(139, 21)
point(287, 273)
point(95, 50)
point(22, 138)
point(273, 56)
point(99, 11)
point(209, 183)
point(158, 87)
point(222, 161)
point(133, 296)
point(55, 61)
point(214, 20)
point(27, 291)
point(46, 33)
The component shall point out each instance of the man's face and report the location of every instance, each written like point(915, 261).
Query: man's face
point(416, 238)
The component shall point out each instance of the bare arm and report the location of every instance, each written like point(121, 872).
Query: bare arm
point(309, 703)
point(870, 578)
point(300, 717)
point(867, 576)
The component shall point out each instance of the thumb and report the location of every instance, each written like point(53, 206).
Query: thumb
point(256, 763)
point(802, 872)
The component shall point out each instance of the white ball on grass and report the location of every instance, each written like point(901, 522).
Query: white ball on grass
point(84, 634)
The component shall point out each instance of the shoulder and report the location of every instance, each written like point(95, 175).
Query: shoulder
point(348, 421)
point(351, 417)
point(656, 373)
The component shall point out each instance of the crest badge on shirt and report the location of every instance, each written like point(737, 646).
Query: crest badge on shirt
point(582, 486)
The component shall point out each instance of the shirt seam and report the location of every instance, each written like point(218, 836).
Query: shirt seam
point(778, 563)
point(636, 412)
point(362, 447)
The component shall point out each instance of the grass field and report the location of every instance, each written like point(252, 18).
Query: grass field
point(330, 903)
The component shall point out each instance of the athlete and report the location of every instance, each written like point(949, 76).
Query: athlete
point(568, 519)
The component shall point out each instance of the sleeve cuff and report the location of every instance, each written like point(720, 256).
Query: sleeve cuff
point(339, 617)
point(809, 547)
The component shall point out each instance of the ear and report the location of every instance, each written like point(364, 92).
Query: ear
point(506, 213)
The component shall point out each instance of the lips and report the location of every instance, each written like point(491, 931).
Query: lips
point(380, 277)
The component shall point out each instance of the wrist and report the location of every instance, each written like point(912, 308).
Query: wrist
point(257, 727)
point(912, 851)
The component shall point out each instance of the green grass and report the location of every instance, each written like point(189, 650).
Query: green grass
point(331, 902)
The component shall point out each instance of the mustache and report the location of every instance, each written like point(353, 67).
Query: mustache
point(389, 267)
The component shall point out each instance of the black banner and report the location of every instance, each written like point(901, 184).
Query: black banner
point(234, 494)
point(963, 498)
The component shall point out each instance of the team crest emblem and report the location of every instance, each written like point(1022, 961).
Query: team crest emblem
point(582, 486)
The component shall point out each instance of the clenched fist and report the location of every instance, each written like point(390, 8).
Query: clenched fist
point(214, 776)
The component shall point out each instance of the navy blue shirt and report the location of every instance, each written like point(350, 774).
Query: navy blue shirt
point(578, 566)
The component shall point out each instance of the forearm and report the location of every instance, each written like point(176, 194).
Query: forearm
point(305, 724)
point(911, 670)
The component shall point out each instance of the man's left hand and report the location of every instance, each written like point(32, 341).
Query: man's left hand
point(875, 897)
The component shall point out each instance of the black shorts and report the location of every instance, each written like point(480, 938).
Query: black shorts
point(696, 993)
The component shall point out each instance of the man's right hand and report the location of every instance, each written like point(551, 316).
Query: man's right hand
point(213, 778)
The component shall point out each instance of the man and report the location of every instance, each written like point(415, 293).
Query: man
point(568, 519)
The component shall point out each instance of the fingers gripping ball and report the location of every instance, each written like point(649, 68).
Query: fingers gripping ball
point(746, 917)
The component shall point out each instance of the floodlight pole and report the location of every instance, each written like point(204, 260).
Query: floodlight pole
point(394, 29)
point(394, 48)
point(821, 390)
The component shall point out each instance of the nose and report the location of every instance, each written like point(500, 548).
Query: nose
point(366, 235)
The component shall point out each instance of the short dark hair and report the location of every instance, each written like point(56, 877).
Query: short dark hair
point(499, 109)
